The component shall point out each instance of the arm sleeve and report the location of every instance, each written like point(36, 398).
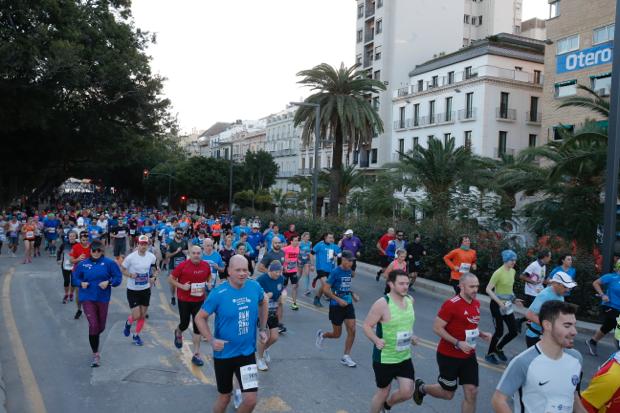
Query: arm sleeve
point(494, 278)
point(448, 259)
point(513, 377)
point(445, 312)
point(528, 270)
point(605, 279)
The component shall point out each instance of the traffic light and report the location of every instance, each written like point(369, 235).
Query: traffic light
point(145, 173)
point(183, 198)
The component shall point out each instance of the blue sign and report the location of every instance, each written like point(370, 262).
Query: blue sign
point(581, 59)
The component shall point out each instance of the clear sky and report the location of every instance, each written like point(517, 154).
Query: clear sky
point(237, 59)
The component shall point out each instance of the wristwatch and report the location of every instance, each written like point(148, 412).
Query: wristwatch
point(456, 345)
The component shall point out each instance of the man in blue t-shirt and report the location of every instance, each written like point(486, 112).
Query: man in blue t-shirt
point(256, 240)
point(608, 288)
point(241, 228)
point(273, 285)
point(338, 289)
point(323, 260)
point(50, 227)
point(214, 259)
point(239, 305)
point(275, 232)
point(561, 283)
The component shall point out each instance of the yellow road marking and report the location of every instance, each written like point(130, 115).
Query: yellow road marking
point(421, 341)
point(32, 391)
point(272, 404)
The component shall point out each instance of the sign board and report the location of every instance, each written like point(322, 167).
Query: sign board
point(582, 59)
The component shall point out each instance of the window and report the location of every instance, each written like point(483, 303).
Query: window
point(503, 105)
point(373, 155)
point(360, 36)
point(604, 34)
point(567, 44)
point(375, 102)
point(554, 9)
point(416, 114)
point(466, 19)
point(602, 84)
point(420, 85)
point(358, 59)
point(401, 148)
point(446, 138)
point(501, 144)
point(469, 105)
point(310, 164)
point(303, 163)
point(566, 89)
point(558, 131)
point(379, 3)
point(448, 116)
point(377, 75)
point(401, 117)
point(360, 11)
point(435, 81)
point(537, 77)
point(468, 139)
point(532, 141)
point(480, 20)
point(378, 53)
point(356, 157)
point(533, 109)
point(416, 142)
point(467, 72)
point(431, 111)
point(379, 26)
point(450, 78)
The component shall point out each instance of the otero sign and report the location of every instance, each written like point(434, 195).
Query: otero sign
point(582, 59)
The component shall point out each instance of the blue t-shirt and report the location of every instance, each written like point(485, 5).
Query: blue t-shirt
point(198, 241)
point(94, 232)
point(611, 287)
point(236, 317)
point(340, 282)
point(238, 229)
point(147, 230)
point(571, 271)
point(255, 239)
point(305, 248)
point(214, 260)
point(269, 237)
point(326, 255)
point(548, 294)
point(50, 226)
point(248, 247)
point(272, 286)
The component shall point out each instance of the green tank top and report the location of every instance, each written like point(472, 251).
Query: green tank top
point(397, 333)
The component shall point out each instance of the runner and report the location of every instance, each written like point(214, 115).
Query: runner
point(191, 279)
point(415, 253)
point(382, 244)
point(560, 284)
point(291, 268)
point(274, 253)
point(226, 252)
point(216, 231)
point(38, 236)
point(102, 222)
point(242, 250)
point(13, 229)
point(460, 260)
point(239, 306)
point(214, 259)
point(288, 235)
point(565, 264)
point(64, 259)
point(338, 289)
point(603, 393)
point(398, 264)
point(275, 233)
point(533, 277)
point(608, 288)
point(502, 298)
point(256, 240)
point(95, 277)
point(273, 287)
point(457, 325)
point(141, 271)
point(177, 253)
point(50, 228)
point(389, 325)
point(305, 249)
point(3, 229)
point(323, 261)
point(242, 228)
point(351, 243)
point(28, 233)
point(546, 377)
point(118, 234)
point(79, 252)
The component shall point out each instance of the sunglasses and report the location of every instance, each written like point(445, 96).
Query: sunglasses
point(96, 250)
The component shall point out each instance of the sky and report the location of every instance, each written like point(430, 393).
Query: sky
point(238, 59)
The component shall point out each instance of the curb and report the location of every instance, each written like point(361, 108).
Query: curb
point(444, 290)
point(2, 393)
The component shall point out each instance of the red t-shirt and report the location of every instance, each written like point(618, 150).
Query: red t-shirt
point(461, 317)
point(384, 241)
point(198, 275)
point(78, 250)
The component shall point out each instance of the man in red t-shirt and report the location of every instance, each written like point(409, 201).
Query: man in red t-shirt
point(79, 252)
point(191, 279)
point(381, 246)
point(457, 325)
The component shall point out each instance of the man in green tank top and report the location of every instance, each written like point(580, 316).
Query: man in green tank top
point(389, 325)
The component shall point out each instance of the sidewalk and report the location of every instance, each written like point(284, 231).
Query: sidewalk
point(444, 290)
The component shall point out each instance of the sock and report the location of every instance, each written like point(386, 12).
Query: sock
point(130, 320)
point(94, 342)
point(386, 406)
point(139, 325)
point(592, 341)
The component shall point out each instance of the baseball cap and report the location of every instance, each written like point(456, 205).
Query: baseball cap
point(563, 278)
point(275, 266)
point(143, 239)
point(255, 225)
point(347, 255)
point(348, 232)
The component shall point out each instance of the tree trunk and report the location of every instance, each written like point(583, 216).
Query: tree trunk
point(336, 172)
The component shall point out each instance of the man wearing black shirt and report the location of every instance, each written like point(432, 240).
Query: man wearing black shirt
point(415, 252)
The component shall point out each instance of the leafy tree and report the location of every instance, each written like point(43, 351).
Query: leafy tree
point(351, 178)
point(260, 169)
point(347, 117)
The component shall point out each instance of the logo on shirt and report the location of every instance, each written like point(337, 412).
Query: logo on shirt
point(542, 383)
point(575, 379)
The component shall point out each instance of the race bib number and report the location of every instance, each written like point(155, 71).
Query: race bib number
point(29, 234)
point(291, 266)
point(121, 234)
point(403, 340)
point(51, 230)
point(464, 267)
point(273, 305)
point(13, 234)
point(471, 336)
point(249, 377)
point(132, 232)
point(197, 289)
point(142, 279)
point(330, 255)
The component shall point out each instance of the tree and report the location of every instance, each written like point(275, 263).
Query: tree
point(351, 178)
point(347, 117)
point(260, 169)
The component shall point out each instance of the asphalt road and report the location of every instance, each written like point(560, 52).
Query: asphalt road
point(45, 355)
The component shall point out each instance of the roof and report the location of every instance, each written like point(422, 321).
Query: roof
point(216, 128)
point(502, 44)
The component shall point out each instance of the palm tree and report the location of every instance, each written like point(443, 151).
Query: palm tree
point(592, 101)
point(347, 116)
point(351, 178)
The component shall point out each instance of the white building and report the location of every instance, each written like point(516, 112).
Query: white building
point(487, 96)
point(534, 28)
point(395, 35)
point(283, 142)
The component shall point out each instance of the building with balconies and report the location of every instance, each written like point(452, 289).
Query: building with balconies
point(485, 96)
point(283, 142)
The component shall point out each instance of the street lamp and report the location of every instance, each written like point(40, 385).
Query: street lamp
point(230, 174)
point(317, 135)
point(613, 154)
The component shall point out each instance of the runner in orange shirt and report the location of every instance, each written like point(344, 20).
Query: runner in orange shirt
point(460, 260)
point(28, 232)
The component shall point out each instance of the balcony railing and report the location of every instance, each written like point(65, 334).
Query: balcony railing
point(403, 123)
point(467, 114)
point(305, 171)
point(533, 117)
point(370, 35)
point(499, 152)
point(368, 61)
point(370, 9)
point(506, 114)
point(444, 118)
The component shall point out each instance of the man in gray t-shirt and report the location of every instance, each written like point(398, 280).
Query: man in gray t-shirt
point(274, 254)
point(545, 377)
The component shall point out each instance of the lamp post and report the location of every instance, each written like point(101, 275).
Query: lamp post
point(613, 154)
point(317, 138)
point(230, 174)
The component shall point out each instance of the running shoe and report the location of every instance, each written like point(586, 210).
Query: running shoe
point(96, 360)
point(237, 399)
point(281, 328)
point(267, 356)
point(262, 365)
point(173, 301)
point(127, 329)
point(491, 359)
point(65, 299)
point(378, 276)
point(197, 361)
point(77, 315)
point(319, 340)
point(71, 297)
point(592, 347)
point(501, 356)
point(294, 307)
point(347, 361)
point(317, 302)
point(137, 340)
point(178, 339)
point(307, 293)
point(418, 396)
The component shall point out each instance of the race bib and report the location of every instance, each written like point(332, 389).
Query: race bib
point(464, 267)
point(403, 340)
point(178, 261)
point(273, 305)
point(291, 266)
point(13, 234)
point(471, 336)
point(330, 255)
point(51, 230)
point(142, 279)
point(121, 234)
point(197, 289)
point(132, 231)
point(29, 234)
point(249, 377)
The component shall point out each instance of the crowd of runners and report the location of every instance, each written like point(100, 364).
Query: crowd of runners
point(238, 274)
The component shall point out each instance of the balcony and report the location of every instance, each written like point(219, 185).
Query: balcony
point(305, 171)
point(370, 10)
point(467, 114)
point(505, 114)
point(403, 124)
point(499, 152)
point(445, 118)
point(368, 61)
point(533, 118)
point(283, 152)
point(370, 35)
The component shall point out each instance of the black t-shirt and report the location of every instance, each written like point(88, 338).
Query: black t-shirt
point(272, 256)
point(121, 231)
point(179, 257)
point(416, 250)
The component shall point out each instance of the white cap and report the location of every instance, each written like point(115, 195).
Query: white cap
point(348, 232)
point(143, 238)
point(255, 225)
point(563, 278)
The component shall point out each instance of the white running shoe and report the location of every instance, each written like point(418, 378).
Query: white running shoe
point(267, 356)
point(319, 340)
point(237, 399)
point(261, 365)
point(348, 361)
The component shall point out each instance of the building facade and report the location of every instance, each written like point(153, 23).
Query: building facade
point(283, 142)
point(485, 96)
point(392, 36)
point(579, 52)
point(534, 28)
